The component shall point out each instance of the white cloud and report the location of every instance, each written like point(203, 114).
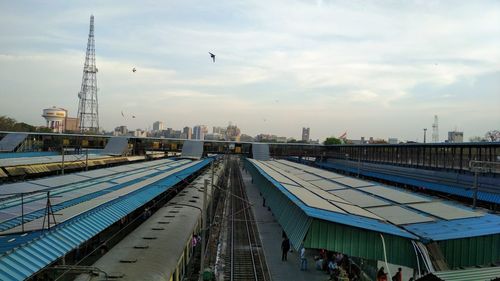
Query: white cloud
point(331, 65)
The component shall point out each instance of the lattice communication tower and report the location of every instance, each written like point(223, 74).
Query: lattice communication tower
point(88, 112)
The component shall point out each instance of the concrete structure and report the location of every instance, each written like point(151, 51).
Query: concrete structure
point(140, 133)
point(266, 138)
point(305, 134)
point(199, 132)
point(55, 118)
point(246, 138)
point(392, 140)
point(214, 136)
point(120, 131)
point(435, 129)
point(187, 133)
point(455, 136)
point(232, 132)
point(281, 139)
point(158, 126)
point(72, 124)
point(219, 130)
point(58, 120)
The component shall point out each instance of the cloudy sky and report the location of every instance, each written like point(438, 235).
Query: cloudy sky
point(371, 68)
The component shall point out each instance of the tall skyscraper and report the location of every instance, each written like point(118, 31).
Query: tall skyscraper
point(305, 134)
point(187, 132)
point(158, 126)
point(199, 132)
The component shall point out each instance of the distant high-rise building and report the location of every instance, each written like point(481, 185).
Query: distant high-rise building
point(199, 132)
point(219, 130)
point(305, 134)
point(187, 131)
point(214, 136)
point(281, 139)
point(435, 130)
point(158, 126)
point(246, 138)
point(233, 132)
point(455, 136)
point(393, 141)
point(120, 131)
point(140, 133)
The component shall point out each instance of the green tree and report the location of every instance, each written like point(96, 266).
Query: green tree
point(332, 140)
point(10, 124)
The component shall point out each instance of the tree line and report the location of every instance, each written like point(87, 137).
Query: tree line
point(11, 124)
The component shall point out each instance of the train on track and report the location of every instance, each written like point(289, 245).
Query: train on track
point(161, 248)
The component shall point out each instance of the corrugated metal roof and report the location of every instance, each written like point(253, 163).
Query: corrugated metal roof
point(453, 229)
point(348, 219)
point(440, 229)
point(24, 261)
point(472, 274)
point(260, 151)
point(11, 141)
point(445, 188)
point(192, 149)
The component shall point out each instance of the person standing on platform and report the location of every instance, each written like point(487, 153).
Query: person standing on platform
point(381, 275)
point(398, 276)
point(303, 259)
point(285, 247)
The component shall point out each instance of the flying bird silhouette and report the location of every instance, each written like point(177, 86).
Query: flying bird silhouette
point(134, 70)
point(123, 114)
point(212, 56)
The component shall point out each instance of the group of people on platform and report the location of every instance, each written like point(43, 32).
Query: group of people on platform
point(286, 246)
point(382, 276)
point(336, 265)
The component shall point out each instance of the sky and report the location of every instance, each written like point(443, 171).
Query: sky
point(368, 68)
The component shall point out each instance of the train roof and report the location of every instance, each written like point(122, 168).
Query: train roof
point(151, 252)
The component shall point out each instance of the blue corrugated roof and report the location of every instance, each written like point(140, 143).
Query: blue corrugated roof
point(347, 219)
point(448, 229)
point(454, 229)
point(445, 188)
point(22, 262)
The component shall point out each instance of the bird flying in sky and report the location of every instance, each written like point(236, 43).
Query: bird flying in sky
point(134, 70)
point(212, 56)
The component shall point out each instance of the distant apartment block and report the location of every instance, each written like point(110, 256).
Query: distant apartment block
point(305, 134)
point(199, 132)
point(187, 133)
point(158, 126)
point(455, 136)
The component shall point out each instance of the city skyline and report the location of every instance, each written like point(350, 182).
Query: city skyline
point(372, 70)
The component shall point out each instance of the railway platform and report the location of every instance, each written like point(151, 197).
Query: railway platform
point(270, 235)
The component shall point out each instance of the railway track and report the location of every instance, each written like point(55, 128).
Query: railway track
point(245, 258)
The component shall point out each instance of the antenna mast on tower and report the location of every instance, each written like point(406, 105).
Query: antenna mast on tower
point(88, 112)
point(435, 130)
